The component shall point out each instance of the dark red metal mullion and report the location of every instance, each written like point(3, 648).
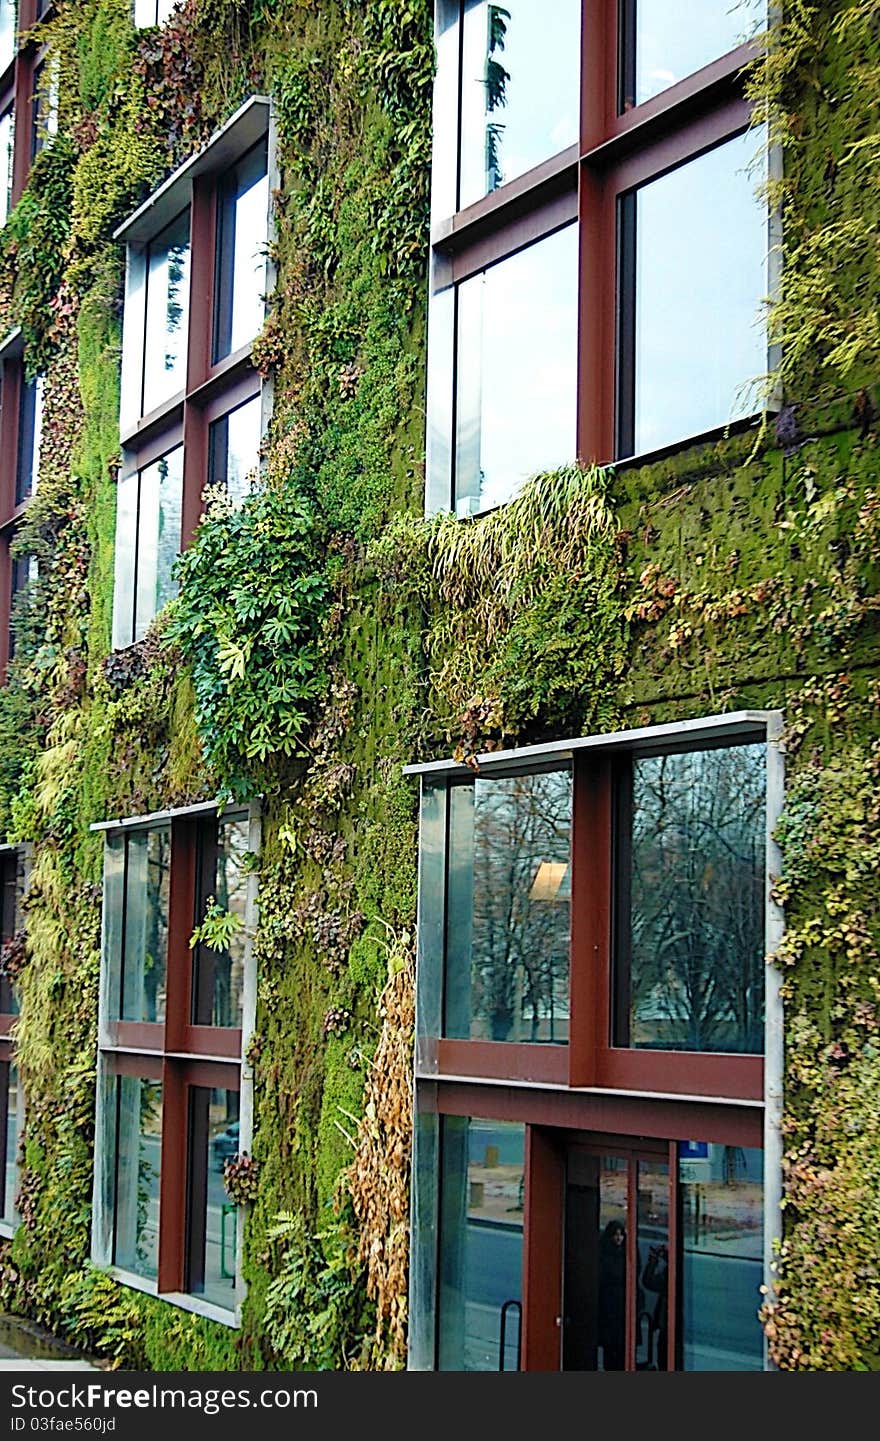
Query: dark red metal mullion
point(534, 220)
point(211, 1041)
point(520, 1061)
point(594, 1111)
point(21, 150)
point(673, 1310)
point(127, 1063)
point(172, 1182)
point(596, 313)
point(138, 1035)
point(676, 146)
point(211, 1075)
point(181, 909)
point(543, 1209)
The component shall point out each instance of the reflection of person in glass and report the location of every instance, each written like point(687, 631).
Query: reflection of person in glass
point(612, 1296)
point(655, 1279)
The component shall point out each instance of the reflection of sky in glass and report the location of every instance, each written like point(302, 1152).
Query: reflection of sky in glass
point(700, 278)
point(673, 41)
point(235, 449)
point(242, 253)
point(152, 12)
point(10, 1186)
point(217, 1262)
point(510, 124)
point(517, 369)
point(138, 1170)
point(167, 313)
point(7, 32)
point(7, 136)
point(158, 541)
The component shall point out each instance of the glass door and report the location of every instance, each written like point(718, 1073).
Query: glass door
point(661, 1257)
point(616, 1247)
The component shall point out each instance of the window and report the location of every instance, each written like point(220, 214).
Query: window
point(172, 1018)
point(8, 22)
point(20, 433)
point(7, 147)
point(593, 1099)
point(12, 881)
point(44, 105)
point(191, 408)
point(606, 909)
point(152, 12)
point(598, 246)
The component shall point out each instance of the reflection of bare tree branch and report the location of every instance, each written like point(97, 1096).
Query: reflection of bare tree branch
point(697, 918)
point(519, 949)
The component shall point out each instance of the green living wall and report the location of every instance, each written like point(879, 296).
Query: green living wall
point(737, 574)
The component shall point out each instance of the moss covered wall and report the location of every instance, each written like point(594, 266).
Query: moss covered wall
point(742, 573)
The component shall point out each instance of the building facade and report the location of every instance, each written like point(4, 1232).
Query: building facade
point(439, 730)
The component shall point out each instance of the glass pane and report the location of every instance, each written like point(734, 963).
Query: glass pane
point(212, 1217)
point(481, 1240)
point(667, 43)
point(12, 1123)
point(613, 1184)
point(722, 1270)
point(158, 540)
point(13, 878)
point(138, 1169)
point(7, 138)
point(113, 921)
point(234, 450)
point(690, 951)
point(219, 975)
point(7, 32)
point(145, 957)
point(242, 216)
point(516, 361)
point(701, 248)
point(652, 1250)
point(30, 432)
point(509, 903)
point(167, 313)
point(124, 564)
point(520, 89)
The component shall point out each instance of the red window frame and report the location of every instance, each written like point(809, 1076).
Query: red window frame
point(590, 1059)
point(176, 1052)
point(617, 151)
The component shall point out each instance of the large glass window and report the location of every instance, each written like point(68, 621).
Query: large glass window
point(520, 89)
point(516, 370)
point(10, 1132)
point(8, 16)
point(641, 325)
point(481, 1245)
point(7, 142)
point(234, 449)
point(693, 248)
point(167, 312)
point(508, 909)
point(240, 281)
point(211, 1216)
point(171, 1037)
point(30, 438)
point(137, 1169)
point(222, 883)
point(690, 901)
point(663, 44)
point(148, 535)
point(722, 1238)
point(12, 880)
point(195, 283)
point(138, 880)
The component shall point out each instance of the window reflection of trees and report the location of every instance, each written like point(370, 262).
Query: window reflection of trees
point(520, 932)
point(697, 900)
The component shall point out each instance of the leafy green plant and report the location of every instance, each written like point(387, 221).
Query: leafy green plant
point(217, 928)
point(248, 619)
